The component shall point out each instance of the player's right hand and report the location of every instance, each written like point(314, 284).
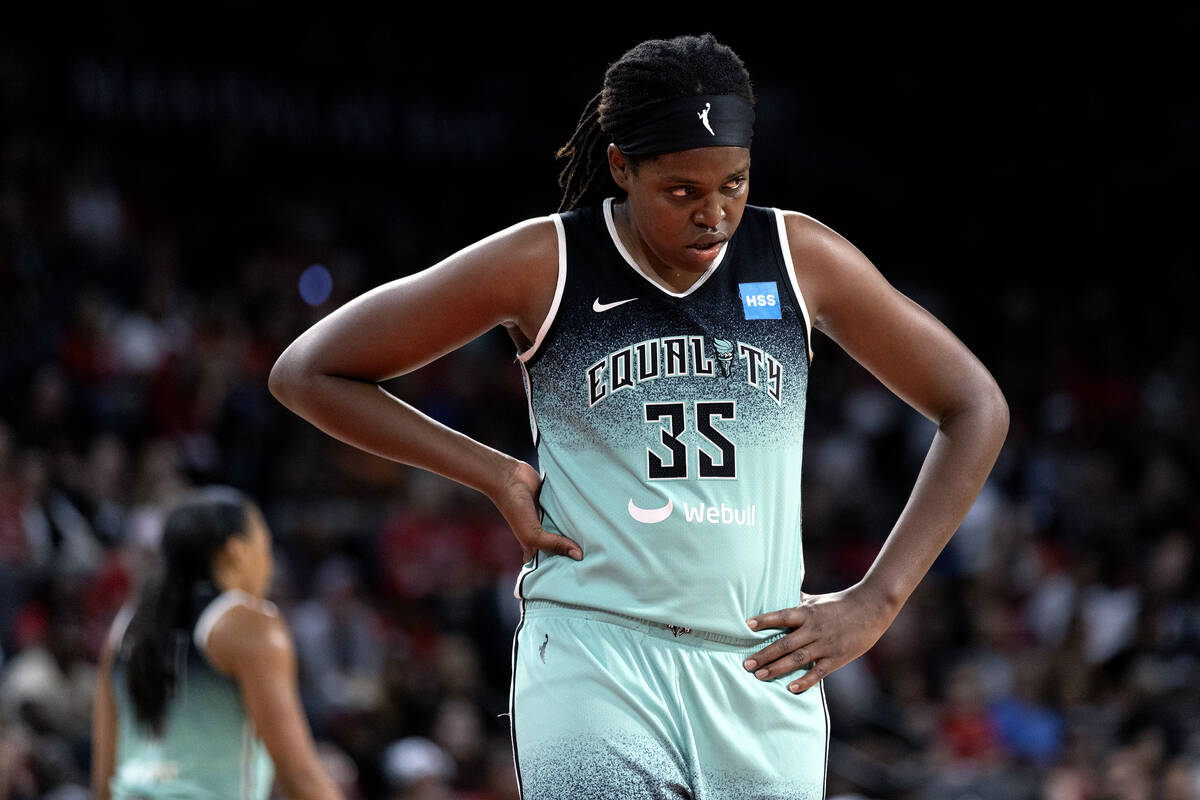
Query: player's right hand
point(517, 501)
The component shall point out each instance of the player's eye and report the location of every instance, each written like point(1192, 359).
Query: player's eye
point(682, 191)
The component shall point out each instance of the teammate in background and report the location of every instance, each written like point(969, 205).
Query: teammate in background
point(196, 694)
point(663, 327)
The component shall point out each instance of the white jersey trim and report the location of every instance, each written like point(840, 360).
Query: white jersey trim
point(558, 291)
point(612, 232)
point(217, 608)
point(533, 426)
point(791, 273)
point(116, 634)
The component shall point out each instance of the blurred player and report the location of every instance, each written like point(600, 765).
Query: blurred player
point(196, 695)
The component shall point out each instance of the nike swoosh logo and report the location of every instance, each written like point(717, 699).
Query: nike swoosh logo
point(650, 516)
point(599, 307)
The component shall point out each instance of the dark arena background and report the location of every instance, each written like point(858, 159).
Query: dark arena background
point(180, 197)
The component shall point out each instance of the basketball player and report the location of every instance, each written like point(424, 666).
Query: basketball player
point(663, 326)
point(196, 695)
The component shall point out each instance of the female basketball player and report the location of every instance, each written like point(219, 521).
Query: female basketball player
point(196, 695)
point(666, 644)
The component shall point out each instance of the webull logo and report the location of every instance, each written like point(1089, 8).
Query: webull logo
point(702, 514)
point(721, 515)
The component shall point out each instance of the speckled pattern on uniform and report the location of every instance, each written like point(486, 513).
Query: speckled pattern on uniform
point(671, 432)
point(604, 710)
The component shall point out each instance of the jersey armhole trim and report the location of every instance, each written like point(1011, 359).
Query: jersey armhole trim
point(791, 274)
point(533, 425)
point(120, 625)
point(558, 291)
point(217, 608)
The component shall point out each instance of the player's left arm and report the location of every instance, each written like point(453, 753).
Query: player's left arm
point(104, 724)
point(925, 365)
point(255, 648)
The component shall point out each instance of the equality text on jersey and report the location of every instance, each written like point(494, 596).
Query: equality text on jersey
point(684, 356)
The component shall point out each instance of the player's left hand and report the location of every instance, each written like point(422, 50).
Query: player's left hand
point(826, 632)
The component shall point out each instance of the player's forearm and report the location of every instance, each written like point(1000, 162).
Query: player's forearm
point(104, 732)
point(362, 414)
point(308, 783)
point(962, 454)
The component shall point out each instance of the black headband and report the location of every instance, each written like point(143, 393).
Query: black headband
point(684, 123)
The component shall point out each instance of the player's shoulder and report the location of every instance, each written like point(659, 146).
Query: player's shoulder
point(816, 246)
point(512, 262)
point(805, 230)
point(246, 628)
point(529, 240)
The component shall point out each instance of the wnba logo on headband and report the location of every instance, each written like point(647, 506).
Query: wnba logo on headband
point(726, 120)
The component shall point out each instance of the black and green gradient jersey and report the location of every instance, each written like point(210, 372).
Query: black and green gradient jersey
point(669, 428)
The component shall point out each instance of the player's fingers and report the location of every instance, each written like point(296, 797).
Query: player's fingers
point(771, 663)
point(553, 543)
point(522, 516)
point(780, 648)
point(784, 618)
point(793, 618)
point(820, 669)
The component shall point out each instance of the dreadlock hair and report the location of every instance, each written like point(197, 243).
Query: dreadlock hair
point(196, 530)
point(651, 72)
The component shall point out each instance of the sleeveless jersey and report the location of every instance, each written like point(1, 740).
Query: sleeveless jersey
point(669, 430)
point(209, 748)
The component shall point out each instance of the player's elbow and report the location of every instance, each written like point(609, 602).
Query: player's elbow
point(992, 411)
point(996, 404)
point(289, 376)
point(979, 411)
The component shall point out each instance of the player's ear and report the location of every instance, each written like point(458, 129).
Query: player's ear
point(229, 559)
point(619, 166)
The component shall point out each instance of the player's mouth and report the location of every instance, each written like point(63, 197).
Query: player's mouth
point(707, 247)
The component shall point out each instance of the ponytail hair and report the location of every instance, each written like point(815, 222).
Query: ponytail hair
point(195, 531)
point(653, 71)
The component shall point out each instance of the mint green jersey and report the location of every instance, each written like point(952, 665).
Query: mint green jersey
point(209, 748)
point(669, 429)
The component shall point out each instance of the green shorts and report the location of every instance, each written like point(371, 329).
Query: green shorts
point(607, 706)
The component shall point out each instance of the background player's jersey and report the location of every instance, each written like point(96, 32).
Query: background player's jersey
point(209, 748)
point(669, 429)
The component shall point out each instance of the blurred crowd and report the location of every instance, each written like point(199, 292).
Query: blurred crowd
point(1053, 651)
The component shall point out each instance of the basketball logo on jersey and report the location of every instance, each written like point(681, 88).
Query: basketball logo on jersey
point(760, 300)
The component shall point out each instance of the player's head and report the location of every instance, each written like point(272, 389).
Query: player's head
point(645, 108)
point(218, 535)
point(213, 539)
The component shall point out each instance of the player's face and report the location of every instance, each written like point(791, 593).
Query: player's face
point(681, 207)
point(258, 562)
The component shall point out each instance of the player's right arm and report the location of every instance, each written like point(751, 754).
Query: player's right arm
point(331, 374)
point(255, 648)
